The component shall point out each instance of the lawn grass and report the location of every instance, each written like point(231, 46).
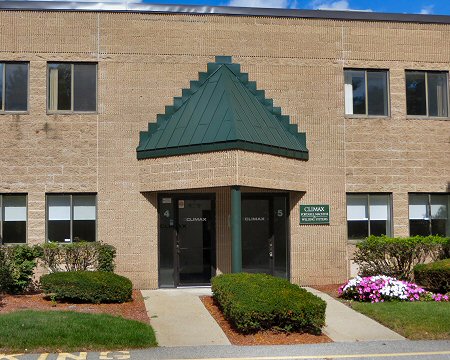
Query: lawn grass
point(413, 320)
point(29, 330)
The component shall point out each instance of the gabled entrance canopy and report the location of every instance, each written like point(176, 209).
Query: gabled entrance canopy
point(222, 111)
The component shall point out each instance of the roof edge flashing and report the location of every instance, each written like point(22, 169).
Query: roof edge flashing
point(129, 6)
point(225, 146)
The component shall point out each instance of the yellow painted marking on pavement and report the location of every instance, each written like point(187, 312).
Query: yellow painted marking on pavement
point(43, 356)
point(114, 355)
point(64, 356)
point(10, 357)
point(337, 356)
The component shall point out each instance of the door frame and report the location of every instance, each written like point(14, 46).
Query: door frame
point(187, 196)
point(270, 196)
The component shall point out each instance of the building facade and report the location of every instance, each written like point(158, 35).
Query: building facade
point(192, 138)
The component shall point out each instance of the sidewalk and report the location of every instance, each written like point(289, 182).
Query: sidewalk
point(345, 324)
point(180, 319)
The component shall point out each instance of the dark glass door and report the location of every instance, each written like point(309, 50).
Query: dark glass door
point(194, 241)
point(167, 239)
point(265, 234)
point(256, 236)
point(186, 240)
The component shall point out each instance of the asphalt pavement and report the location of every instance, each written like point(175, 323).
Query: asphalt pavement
point(374, 350)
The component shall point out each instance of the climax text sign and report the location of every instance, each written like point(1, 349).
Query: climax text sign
point(314, 214)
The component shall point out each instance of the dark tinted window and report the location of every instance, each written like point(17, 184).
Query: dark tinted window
point(377, 93)
point(368, 214)
point(356, 83)
point(1, 85)
point(428, 214)
point(437, 94)
point(60, 87)
point(85, 83)
point(14, 86)
point(72, 87)
point(426, 93)
point(13, 219)
point(71, 218)
point(416, 93)
point(366, 92)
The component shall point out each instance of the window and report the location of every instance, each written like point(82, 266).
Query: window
point(368, 214)
point(71, 218)
point(13, 224)
point(366, 92)
point(428, 214)
point(426, 93)
point(72, 87)
point(14, 86)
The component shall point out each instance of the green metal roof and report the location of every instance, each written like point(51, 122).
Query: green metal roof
point(222, 111)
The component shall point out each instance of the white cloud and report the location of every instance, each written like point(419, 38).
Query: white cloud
point(427, 9)
point(285, 4)
point(342, 5)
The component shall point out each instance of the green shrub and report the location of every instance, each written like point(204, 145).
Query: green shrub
point(106, 256)
point(78, 256)
point(396, 257)
point(434, 276)
point(87, 286)
point(5, 272)
point(253, 302)
point(17, 265)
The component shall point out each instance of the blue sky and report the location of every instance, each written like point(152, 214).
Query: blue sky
point(398, 6)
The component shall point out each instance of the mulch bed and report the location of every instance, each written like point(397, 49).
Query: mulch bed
point(134, 310)
point(262, 337)
point(331, 290)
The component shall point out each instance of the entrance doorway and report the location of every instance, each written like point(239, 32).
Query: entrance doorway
point(265, 234)
point(186, 240)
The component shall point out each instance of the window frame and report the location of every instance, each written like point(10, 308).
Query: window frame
point(3, 75)
point(390, 220)
point(71, 195)
point(428, 205)
point(2, 213)
point(71, 111)
point(366, 115)
point(427, 116)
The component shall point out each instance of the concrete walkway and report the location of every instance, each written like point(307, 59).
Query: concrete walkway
point(179, 318)
point(345, 324)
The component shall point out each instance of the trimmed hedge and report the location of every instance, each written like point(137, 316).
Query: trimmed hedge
point(434, 276)
point(253, 302)
point(87, 286)
point(396, 257)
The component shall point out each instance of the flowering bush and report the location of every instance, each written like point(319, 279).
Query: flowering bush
point(382, 288)
point(429, 296)
point(440, 297)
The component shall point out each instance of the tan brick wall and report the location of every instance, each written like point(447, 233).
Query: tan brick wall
point(221, 168)
point(399, 154)
point(146, 59)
